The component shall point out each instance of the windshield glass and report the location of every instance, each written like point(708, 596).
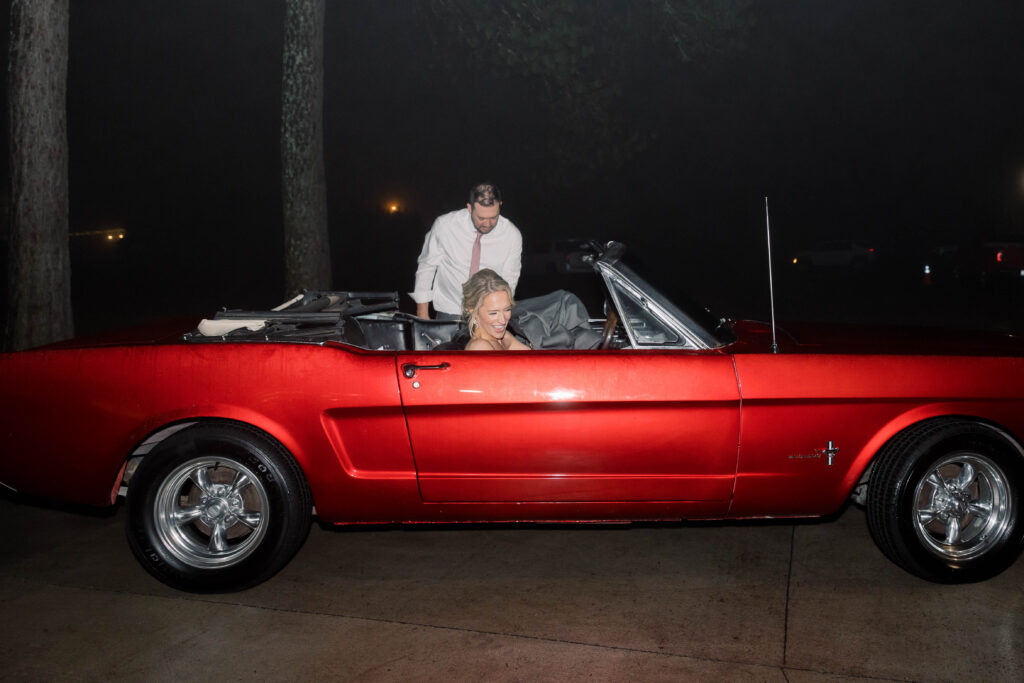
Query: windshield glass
point(712, 330)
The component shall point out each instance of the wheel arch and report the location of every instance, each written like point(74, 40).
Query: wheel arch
point(859, 473)
point(157, 435)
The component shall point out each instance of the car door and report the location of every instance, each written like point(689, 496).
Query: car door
point(572, 425)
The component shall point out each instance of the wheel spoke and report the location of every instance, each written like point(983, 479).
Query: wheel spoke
point(927, 515)
point(936, 480)
point(980, 510)
point(183, 516)
point(250, 518)
point(201, 478)
point(218, 538)
point(966, 476)
point(952, 531)
point(240, 481)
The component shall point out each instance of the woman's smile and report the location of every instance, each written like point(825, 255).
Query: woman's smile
point(494, 313)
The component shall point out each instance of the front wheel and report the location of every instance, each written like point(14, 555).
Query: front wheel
point(944, 501)
point(217, 507)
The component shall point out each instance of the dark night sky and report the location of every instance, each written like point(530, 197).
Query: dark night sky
point(900, 123)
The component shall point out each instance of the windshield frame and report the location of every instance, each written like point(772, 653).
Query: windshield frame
point(697, 328)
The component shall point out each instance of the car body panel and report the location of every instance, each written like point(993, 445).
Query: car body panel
point(795, 404)
point(558, 426)
point(619, 434)
point(107, 400)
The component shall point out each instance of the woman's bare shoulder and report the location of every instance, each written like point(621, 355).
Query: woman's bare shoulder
point(478, 345)
point(516, 345)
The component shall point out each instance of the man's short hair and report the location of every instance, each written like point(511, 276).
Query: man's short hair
point(485, 194)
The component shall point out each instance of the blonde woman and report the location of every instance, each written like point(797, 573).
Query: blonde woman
point(487, 307)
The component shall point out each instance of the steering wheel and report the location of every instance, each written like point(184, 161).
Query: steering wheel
point(608, 333)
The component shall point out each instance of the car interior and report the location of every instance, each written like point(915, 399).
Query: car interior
point(368, 320)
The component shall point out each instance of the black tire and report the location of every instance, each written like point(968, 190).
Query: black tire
point(944, 501)
point(217, 507)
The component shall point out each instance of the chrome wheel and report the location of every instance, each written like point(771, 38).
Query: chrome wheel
point(944, 500)
point(218, 506)
point(962, 507)
point(211, 512)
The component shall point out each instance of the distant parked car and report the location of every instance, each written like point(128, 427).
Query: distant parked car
point(938, 264)
point(835, 254)
point(992, 261)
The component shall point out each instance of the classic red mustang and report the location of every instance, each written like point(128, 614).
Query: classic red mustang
point(227, 438)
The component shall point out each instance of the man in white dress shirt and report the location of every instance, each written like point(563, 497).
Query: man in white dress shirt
point(460, 243)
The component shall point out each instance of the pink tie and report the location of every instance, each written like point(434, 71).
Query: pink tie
point(474, 261)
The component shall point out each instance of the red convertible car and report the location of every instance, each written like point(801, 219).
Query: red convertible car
point(227, 437)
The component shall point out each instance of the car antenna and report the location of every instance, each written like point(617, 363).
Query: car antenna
point(771, 286)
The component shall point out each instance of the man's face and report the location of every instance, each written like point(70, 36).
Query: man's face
point(484, 217)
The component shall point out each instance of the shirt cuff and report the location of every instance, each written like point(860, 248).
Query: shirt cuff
point(422, 297)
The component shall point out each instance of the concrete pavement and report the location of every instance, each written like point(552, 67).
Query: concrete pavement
point(802, 602)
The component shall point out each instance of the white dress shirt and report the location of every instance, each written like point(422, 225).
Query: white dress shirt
point(447, 249)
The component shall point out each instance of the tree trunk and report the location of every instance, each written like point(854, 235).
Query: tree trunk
point(307, 251)
point(39, 265)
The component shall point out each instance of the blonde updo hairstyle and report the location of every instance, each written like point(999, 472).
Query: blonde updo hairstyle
point(475, 290)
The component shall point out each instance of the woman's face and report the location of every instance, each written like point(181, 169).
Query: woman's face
point(493, 315)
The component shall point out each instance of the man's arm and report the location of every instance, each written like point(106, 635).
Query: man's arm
point(426, 273)
point(513, 264)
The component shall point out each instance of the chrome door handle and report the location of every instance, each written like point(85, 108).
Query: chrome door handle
point(409, 369)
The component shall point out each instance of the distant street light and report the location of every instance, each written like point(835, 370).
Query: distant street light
point(109, 234)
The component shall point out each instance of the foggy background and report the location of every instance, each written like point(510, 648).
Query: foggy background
point(899, 125)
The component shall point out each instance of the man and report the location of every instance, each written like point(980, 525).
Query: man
point(458, 245)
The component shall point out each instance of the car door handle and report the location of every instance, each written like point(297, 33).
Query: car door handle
point(409, 369)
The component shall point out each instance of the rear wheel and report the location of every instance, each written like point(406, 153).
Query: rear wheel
point(217, 507)
point(944, 501)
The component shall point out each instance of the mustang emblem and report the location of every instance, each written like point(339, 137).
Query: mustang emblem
point(830, 452)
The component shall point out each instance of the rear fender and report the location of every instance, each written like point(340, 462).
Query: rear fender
point(168, 425)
